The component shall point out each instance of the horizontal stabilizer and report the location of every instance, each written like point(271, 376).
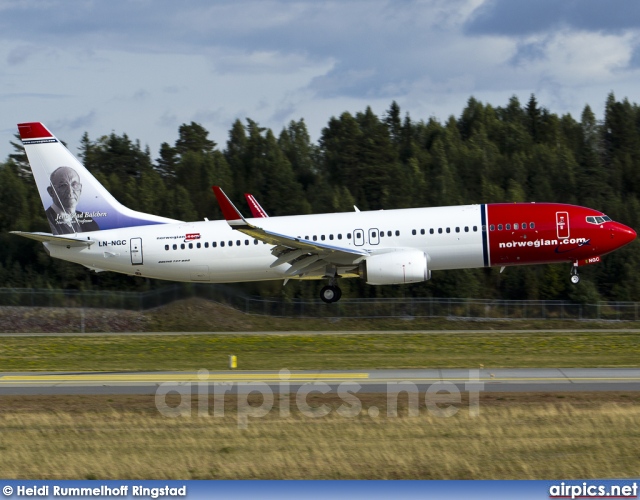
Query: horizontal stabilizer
point(56, 240)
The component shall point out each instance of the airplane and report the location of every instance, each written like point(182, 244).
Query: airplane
point(90, 227)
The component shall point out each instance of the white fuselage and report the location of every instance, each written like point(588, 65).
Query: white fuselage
point(211, 251)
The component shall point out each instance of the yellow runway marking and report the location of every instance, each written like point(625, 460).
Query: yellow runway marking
point(183, 377)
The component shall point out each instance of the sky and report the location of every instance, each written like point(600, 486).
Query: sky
point(144, 67)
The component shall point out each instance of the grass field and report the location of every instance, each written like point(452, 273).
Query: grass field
point(295, 351)
point(514, 437)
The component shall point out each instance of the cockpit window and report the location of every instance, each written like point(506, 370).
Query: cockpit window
point(598, 220)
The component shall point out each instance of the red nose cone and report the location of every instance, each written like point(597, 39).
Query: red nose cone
point(625, 234)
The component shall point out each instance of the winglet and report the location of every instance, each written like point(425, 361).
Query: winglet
point(256, 210)
point(229, 211)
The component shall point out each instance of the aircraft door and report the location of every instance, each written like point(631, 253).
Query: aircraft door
point(374, 236)
point(562, 225)
point(358, 237)
point(136, 251)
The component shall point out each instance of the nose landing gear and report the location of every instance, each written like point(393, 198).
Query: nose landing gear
point(575, 277)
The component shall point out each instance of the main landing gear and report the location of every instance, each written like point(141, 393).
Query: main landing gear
point(330, 293)
point(575, 277)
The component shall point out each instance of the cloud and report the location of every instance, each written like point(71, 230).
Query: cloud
point(525, 17)
point(576, 57)
point(75, 123)
point(167, 120)
point(141, 95)
point(20, 54)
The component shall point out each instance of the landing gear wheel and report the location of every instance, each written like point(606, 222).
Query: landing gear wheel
point(575, 278)
point(330, 294)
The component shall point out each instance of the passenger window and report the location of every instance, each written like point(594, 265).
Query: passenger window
point(439, 230)
point(230, 243)
point(397, 233)
point(222, 243)
point(457, 230)
point(166, 247)
point(315, 238)
point(322, 237)
point(499, 227)
point(413, 232)
point(339, 236)
point(532, 225)
point(491, 228)
point(348, 236)
point(448, 230)
point(431, 231)
point(508, 227)
point(181, 246)
point(214, 244)
point(524, 225)
point(515, 226)
point(421, 231)
point(175, 247)
point(198, 245)
point(306, 237)
point(206, 244)
point(374, 234)
point(331, 236)
point(475, 229)
point(246, 242)
point(255, 242)
point(388, 233)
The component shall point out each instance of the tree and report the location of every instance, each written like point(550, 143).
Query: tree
point(193, 137)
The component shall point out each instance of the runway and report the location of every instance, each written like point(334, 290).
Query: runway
point(363, 381)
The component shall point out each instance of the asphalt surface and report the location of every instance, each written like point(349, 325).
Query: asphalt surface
point(363, 381)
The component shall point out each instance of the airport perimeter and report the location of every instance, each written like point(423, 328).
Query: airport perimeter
point(401, 307)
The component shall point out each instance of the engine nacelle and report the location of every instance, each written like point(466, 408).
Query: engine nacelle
point(396, 268)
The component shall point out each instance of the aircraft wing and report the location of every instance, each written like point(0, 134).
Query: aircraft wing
point(305, 256)
point(56, 240)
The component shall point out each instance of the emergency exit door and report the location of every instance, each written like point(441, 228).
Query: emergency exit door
point(562, 225)
point(136, 251)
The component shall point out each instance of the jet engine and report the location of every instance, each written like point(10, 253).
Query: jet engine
point(396, 268)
